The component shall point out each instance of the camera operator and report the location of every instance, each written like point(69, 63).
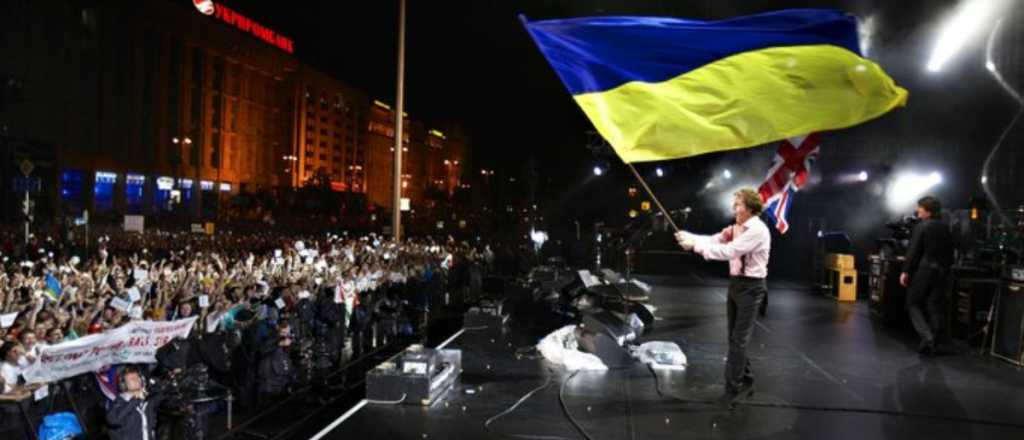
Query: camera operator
point(132, 415)
point(924, 273)
point(330, 315)
point(275, 371)
point(246, 356)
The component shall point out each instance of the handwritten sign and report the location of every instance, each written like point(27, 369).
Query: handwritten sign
point(132, 343)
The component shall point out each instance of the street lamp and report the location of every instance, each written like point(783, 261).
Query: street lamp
point(180, 158)
point(291, 168)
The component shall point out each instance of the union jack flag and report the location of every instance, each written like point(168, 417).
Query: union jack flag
point(788, 175)
point(107, 378)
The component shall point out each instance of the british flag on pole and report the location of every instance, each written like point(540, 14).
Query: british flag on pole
point(788, 175)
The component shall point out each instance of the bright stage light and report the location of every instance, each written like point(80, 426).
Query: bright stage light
point(968, 19)
point(908, 187)
point(538, 238)
point(598, 171)
point(863, 176)
point(727, 174)
point(659, 172)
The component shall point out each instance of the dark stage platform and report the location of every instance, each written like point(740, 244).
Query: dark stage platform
point(824, 371)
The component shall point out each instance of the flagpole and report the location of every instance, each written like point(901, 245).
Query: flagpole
point(651, 193)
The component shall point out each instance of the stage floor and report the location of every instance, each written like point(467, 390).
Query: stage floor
point(823, 369)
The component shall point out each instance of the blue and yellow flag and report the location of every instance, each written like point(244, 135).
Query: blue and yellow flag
point(668, 88)
point(53, 288)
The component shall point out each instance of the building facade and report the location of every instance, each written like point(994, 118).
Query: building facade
point(155, 108)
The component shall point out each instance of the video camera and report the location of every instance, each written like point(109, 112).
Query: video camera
point(903, 228)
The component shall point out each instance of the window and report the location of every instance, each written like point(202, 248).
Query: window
point(162, 197)
point(71, 190)
point(135, 185)
point(218, 73)
point(103, 191)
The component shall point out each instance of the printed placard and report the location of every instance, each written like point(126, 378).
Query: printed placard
point(134, 295)
point(120, 304)
point(7, 320)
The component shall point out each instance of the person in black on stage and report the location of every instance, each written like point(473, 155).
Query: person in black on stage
point(925, 272)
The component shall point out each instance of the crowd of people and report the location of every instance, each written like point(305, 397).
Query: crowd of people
point(273, 306)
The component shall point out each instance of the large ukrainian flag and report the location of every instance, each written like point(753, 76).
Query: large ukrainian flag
point(667, 88)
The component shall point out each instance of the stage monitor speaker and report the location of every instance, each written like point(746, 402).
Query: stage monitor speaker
point(888, 298)
point(1008, 337)
point(611, 276)
point(604, 335)
point(641, 311)
point(972, 298)
point(604, 347)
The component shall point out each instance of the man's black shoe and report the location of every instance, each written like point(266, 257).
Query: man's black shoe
point(733, 395)
point(927, 347)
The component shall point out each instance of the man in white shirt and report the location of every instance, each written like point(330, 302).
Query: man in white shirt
point(746, 245)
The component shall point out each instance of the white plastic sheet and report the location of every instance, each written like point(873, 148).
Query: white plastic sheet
point(661, 354)
point(560, 348)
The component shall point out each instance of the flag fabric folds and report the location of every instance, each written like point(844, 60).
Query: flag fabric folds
point(668, 88)
point(788, 174)
point(106, 379)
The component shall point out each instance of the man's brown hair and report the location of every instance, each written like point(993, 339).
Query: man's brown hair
point(751, 199)
point(931, 204)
